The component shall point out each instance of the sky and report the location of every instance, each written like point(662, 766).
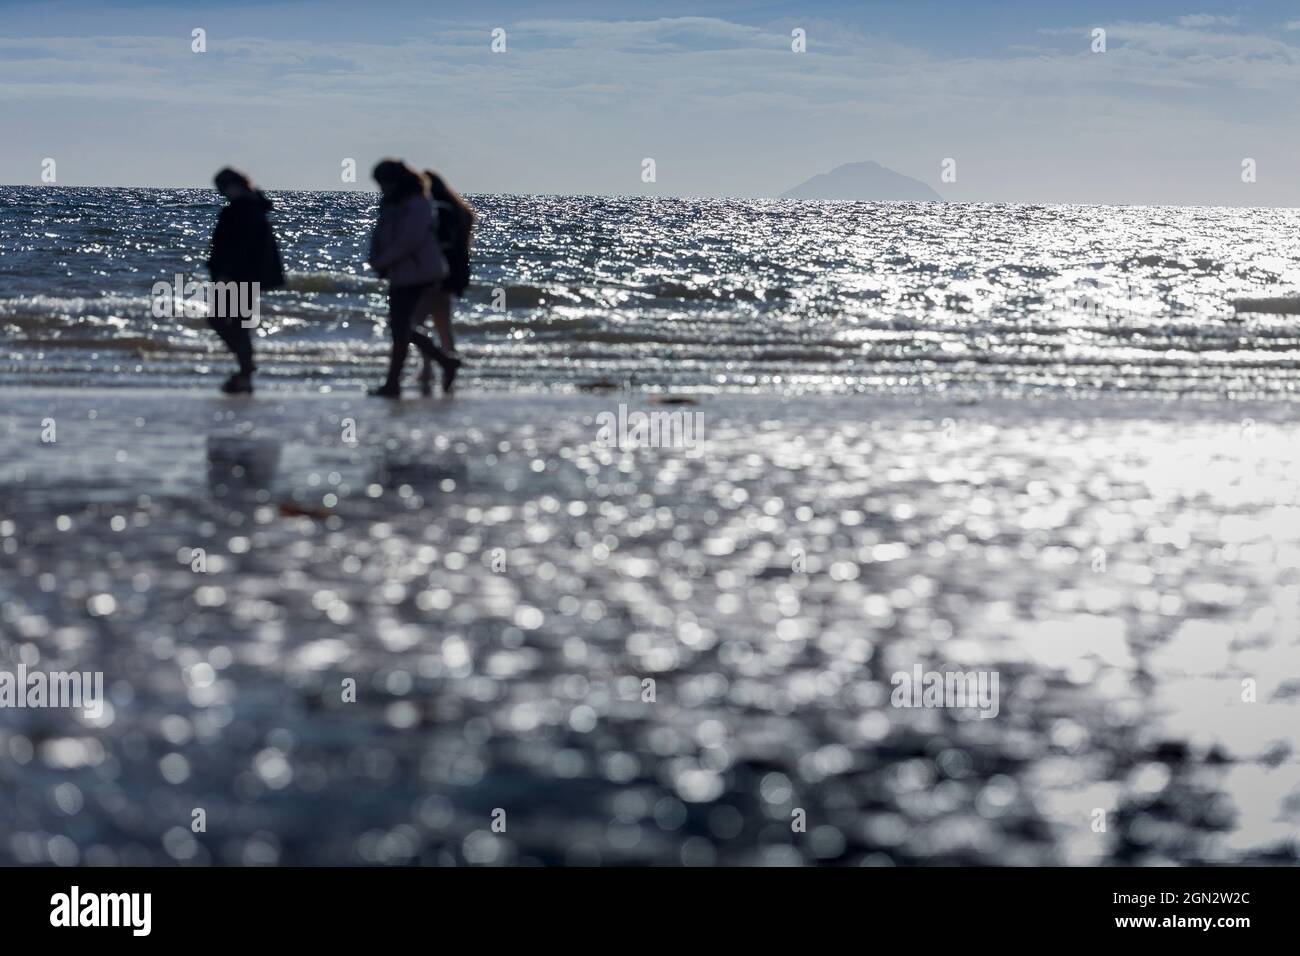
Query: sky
point(1013, 92)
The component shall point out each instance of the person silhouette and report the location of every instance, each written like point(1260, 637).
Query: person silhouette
point(404, 250)
point(455, 231)
point(244, 251)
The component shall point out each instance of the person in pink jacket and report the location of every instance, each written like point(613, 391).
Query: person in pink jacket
point(404, 249)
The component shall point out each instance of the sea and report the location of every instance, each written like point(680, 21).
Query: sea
point(785, 297)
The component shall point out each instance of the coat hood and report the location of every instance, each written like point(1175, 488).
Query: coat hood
point(258, 199)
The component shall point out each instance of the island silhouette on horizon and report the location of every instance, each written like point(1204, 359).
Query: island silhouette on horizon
point(866, 181)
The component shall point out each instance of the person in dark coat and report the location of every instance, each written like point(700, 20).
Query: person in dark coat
point(244, 250)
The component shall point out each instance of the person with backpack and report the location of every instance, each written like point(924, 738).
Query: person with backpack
point(404, 249)
point(244, 250)
point(455, 230)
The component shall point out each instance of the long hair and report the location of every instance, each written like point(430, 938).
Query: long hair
point(228, 175)
point(403, 180)
point(440, 191)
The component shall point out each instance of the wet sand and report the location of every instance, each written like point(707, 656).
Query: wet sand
point(500, 588)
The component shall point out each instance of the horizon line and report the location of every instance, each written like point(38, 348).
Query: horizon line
point(561, 195)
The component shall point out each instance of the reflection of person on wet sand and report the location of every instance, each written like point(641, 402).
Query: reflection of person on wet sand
point(241, 469)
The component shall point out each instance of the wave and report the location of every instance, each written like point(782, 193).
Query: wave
point(531, 296)
point(75, 307)
point(709, 293)
point(1272, 305)
point(615, 295)
point(310, 282)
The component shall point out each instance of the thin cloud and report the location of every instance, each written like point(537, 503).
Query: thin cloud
point(1198, 21)
point(724, 107)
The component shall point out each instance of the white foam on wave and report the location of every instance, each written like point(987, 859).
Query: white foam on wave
point(76, 306)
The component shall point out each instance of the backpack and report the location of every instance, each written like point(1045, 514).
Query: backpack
point(453, 236)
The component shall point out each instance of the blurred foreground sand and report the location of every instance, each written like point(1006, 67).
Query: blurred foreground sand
point(501, 589)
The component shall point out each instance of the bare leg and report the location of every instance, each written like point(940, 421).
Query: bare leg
point(437, 303)
point(422, 309)
point(442, 320)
